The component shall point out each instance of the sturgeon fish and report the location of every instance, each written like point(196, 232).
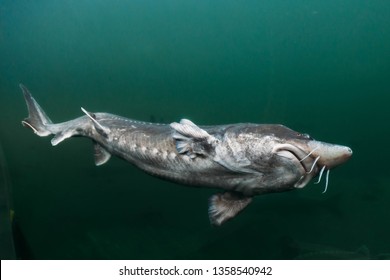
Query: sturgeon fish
point(244, 159)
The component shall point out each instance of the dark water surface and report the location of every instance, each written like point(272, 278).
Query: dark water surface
point(321, 67)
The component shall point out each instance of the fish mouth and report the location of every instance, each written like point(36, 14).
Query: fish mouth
point(307, 165)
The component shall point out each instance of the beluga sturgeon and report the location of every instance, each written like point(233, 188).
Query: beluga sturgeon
point(244, 159)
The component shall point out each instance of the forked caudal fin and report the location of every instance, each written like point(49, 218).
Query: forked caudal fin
point(37, 119)
point(40, 123)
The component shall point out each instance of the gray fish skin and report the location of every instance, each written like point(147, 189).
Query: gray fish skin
point(243, 159)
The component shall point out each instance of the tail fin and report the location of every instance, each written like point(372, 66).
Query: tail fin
point(37, 119)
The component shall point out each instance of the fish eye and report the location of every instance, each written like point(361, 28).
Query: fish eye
point(304, 135)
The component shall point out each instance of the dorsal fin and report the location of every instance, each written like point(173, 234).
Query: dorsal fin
point(103, 130)
point(101, 154)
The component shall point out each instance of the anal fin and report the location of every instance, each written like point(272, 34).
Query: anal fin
point(61, 136)
point(225, 206)
point(101, 155)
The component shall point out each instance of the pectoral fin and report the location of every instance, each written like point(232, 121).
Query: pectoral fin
point(191, 139)
point(225, 206)
point(101, 155)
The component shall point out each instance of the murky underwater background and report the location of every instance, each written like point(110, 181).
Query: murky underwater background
point(320, 67)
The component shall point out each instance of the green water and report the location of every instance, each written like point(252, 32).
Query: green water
point(321, 67)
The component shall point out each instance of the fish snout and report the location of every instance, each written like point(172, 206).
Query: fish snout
point(331, 155)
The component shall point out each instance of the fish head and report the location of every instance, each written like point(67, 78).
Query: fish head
point(329, 155)
point(312, 156)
